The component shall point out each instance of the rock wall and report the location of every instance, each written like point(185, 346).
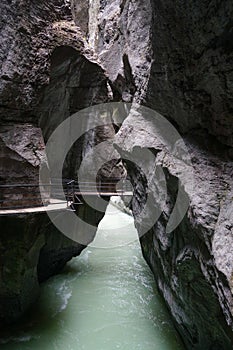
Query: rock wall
point(32, 249)
point(190, 85)
point(175, 58)
point(191, 76)
point(192, 264)
point(22, 153)
point(47, 74)
point(30, 32)
point(20, 247)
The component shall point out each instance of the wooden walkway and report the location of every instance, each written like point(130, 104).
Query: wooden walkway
point(26, 198)
point(54, 205)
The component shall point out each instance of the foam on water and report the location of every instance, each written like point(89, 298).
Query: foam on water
point(65, 293)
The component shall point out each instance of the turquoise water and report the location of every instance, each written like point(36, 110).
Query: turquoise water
point(105, 299)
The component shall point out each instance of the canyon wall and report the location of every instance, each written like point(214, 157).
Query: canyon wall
point(176, 58)
point(47, 74)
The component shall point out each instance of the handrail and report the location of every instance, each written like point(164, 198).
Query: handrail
point(72, 189)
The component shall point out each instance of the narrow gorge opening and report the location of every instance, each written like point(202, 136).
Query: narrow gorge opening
point(150, 83)
point(104, 299)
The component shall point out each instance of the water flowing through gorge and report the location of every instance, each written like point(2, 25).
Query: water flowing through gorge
point(104, 299)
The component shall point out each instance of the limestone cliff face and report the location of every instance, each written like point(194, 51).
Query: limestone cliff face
point(176, 58)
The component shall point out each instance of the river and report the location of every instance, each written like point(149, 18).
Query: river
point(105, 299)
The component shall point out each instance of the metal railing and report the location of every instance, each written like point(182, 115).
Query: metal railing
point(18, 196)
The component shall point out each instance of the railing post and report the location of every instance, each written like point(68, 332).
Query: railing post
point(70, 192)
